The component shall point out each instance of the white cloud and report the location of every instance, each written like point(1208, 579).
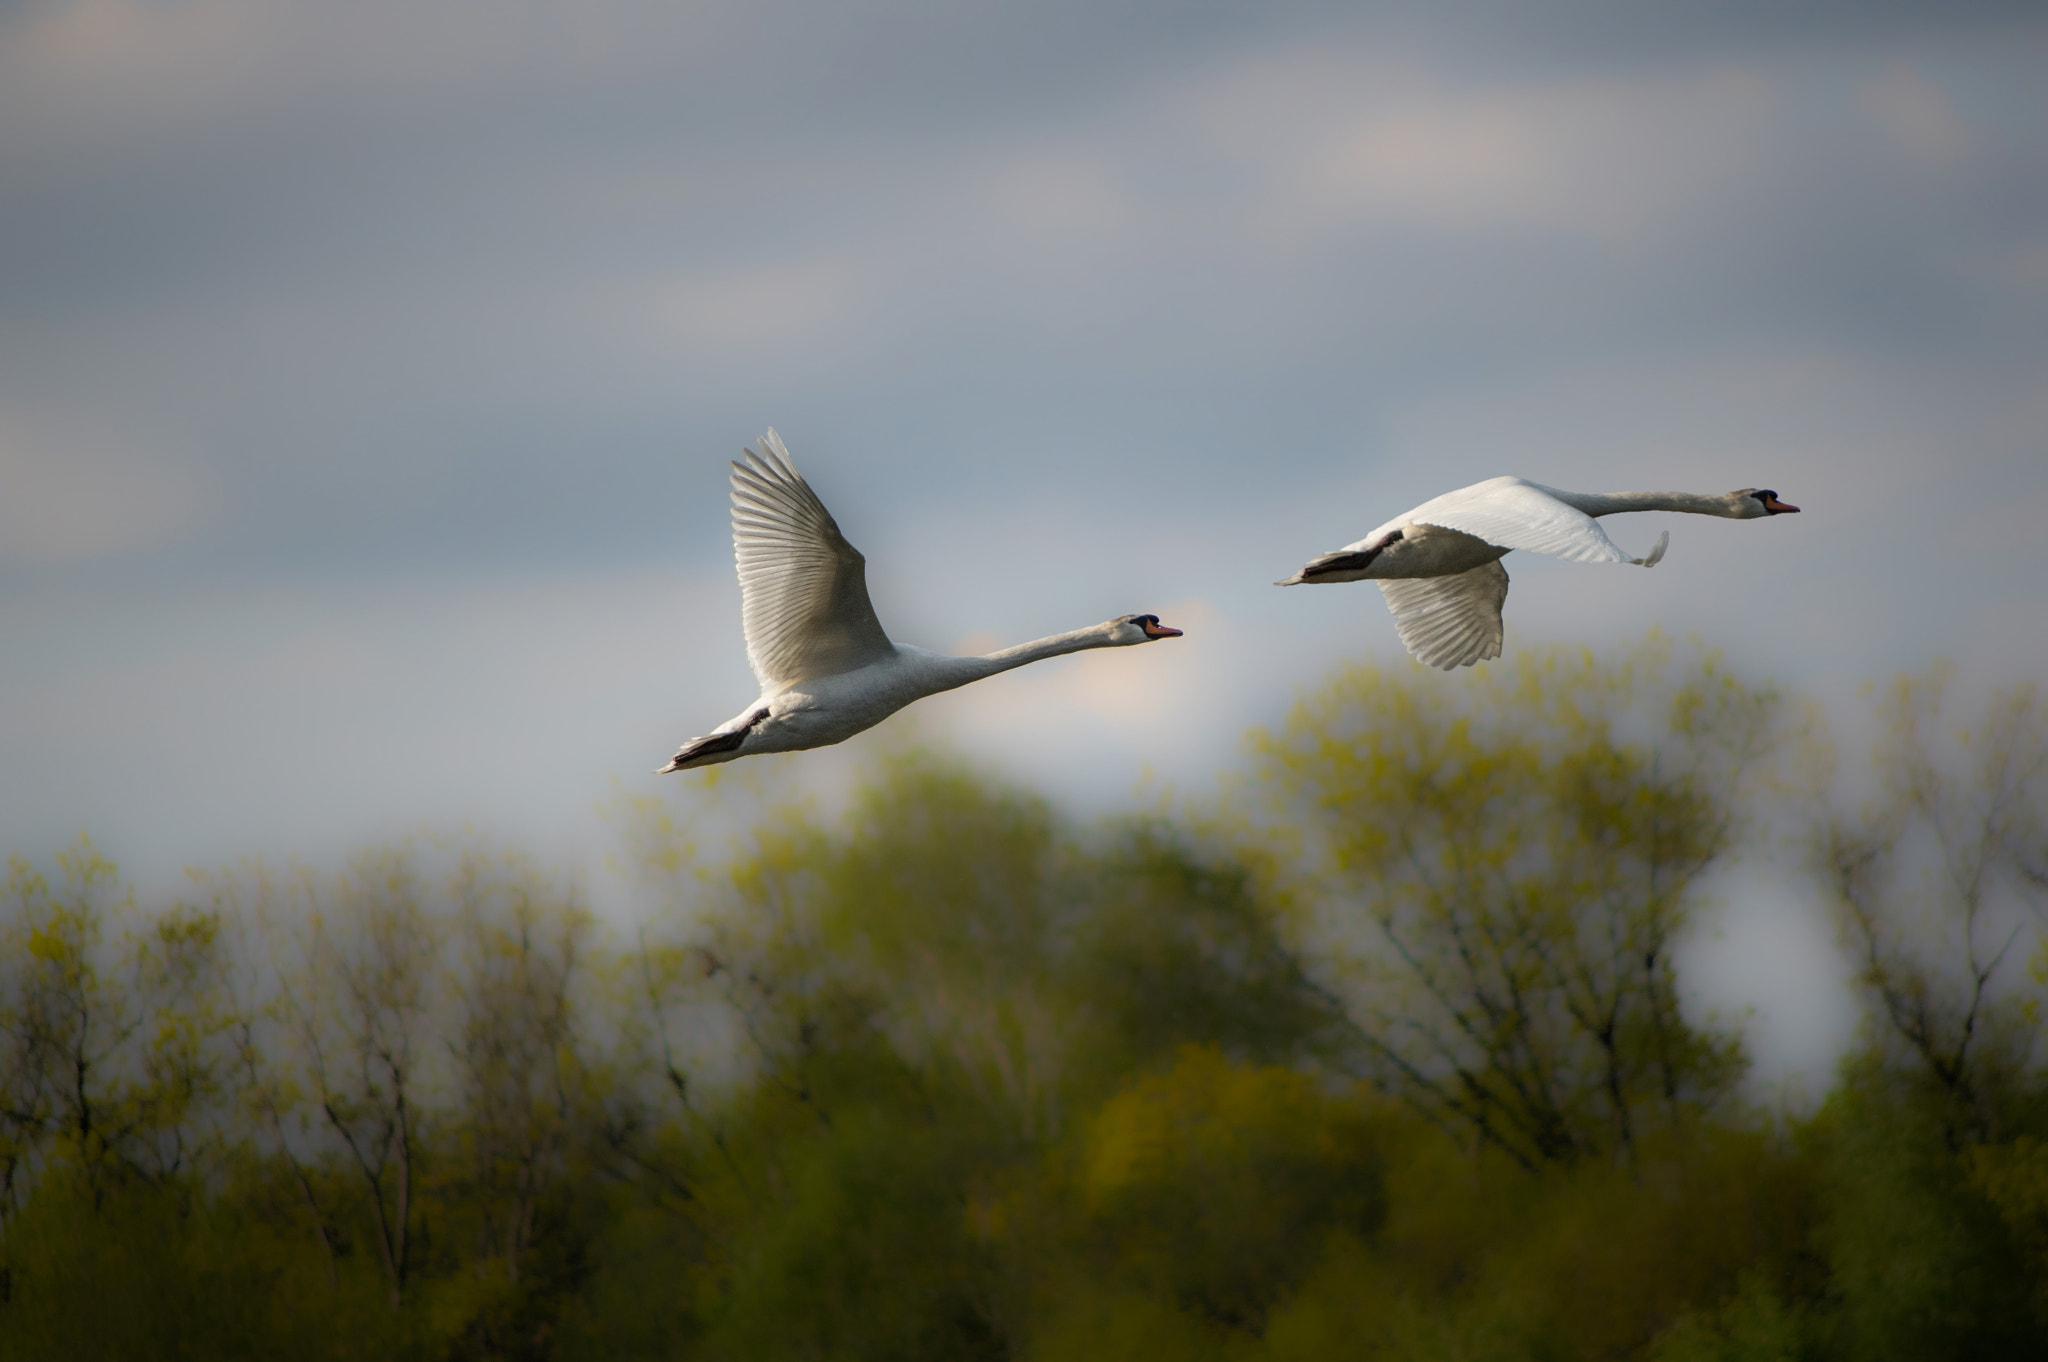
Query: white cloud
point(1918, 115)
point(742, 312)
point(97, 69)
point(1091, 726)
point(764, 305)
point(2022, 269)
point(69, 499)
point(1347, 140)
point(314, 718)
point(1056, 194)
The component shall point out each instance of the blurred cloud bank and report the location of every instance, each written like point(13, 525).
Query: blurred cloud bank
point(367, 372)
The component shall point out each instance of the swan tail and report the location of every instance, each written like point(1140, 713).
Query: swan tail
point(696, 749)
point(1656, 555)
point(719, 746)
point(1341, 565)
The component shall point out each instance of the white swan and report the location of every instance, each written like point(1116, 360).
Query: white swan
point(1439, 565)
point(827, 671)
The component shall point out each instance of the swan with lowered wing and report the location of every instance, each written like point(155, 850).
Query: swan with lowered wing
point(827, 671)
point(1439, 565)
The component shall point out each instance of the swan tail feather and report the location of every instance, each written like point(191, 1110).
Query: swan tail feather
point(712, 745)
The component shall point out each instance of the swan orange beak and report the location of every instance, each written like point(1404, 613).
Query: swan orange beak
point(1777, 507)
point(1154, 629)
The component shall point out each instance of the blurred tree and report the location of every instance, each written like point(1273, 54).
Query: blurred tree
point(946, 891)
point(413, 1065)
point(112, 1057)
point(246, 899)
point(357, 993)
point(947, 1077)
point(1921, 1262)
point(1756, 1325)
point(1177, 947)
point(1936, 880)
point(1497, 872)
point(521, 1077)
point(1218, 1185)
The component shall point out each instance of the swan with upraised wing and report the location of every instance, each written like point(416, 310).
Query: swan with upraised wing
point(1439, 565)
point(827, 671)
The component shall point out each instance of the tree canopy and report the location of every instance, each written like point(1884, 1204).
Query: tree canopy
point(1385, 1051)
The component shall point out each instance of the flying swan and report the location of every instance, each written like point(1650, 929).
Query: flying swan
point(827, 671)
point(1439, 565)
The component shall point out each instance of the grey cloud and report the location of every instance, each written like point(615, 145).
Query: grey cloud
point(1069, 309)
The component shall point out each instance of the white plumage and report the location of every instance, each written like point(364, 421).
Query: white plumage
point(1515, 514)
point(1439, 565)
point(1450, 621)
point(826, 668)
point(803, 588)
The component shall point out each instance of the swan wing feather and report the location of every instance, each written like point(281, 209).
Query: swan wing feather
point(1450, 621)
point(803, 588)
point(1513, 514)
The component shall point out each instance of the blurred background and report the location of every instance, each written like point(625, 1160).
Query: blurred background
point(1671, 989)
point(368, 374)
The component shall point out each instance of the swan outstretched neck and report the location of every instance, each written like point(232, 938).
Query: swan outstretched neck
point(1439, 565)
point(826, 668)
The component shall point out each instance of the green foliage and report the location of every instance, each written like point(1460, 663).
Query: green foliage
point(1280, 1165)
point(1382, 1059)
point(1936, 883)
point(1178, 947)
point(111, 1049)
point(1921, 1263)
point(865, 1253)
point(1497, 873)
point(173, 1273)
point(1755, 1326)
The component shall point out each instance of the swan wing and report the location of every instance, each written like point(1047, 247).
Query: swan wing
point(1513, 514)
point(1450, 621)
point(803, 588)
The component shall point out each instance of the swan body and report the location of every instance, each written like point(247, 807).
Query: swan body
point(826, 668)
point(1439, 565)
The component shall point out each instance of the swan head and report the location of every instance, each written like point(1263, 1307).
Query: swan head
point(1752, 502)
point(1126, 630)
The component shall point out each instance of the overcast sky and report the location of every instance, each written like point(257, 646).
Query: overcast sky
point(368, 370)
